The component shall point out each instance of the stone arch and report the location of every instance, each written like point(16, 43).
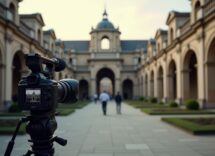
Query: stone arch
point(142, 86)
point(160, 79)
point(146, 85)
point(18, 67)
point(190, 76)
point(152, 83)
point(1, 76)
point(105, 73)
point(127, 89)
point(208, 43)
point(172, 80)
point(210, 74)
point(83, 89)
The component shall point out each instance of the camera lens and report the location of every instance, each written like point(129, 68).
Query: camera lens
point(67, 91)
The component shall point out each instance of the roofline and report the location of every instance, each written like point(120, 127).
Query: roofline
point(35, 15)
point(51, 32)
point(175, 15)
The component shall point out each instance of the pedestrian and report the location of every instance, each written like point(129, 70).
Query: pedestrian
point(95, 98)
point(104, 98)
point(118, 100)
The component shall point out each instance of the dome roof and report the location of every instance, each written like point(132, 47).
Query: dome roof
point(105, 23)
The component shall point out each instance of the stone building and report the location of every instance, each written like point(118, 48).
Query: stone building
point(106, 56)
point(178, 64)
point(20, 35)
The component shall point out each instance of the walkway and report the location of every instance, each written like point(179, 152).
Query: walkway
point(133, 133)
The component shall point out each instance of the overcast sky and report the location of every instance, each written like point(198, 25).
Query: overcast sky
point(73, 19)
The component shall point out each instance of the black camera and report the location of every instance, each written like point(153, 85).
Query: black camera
point(38, 92)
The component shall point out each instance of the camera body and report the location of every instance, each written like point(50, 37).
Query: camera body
point(38, 92)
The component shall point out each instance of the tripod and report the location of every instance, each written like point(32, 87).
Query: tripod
point(41, 130)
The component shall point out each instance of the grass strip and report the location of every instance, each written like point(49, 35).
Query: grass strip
point(20, 114)
point(174, 111)
point(8, 127)
point(190, 126)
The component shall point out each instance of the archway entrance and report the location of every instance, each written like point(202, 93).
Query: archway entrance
point(152, 84)
point(105, 80)
point(1, 78)
point(127, 88)
point(160, 83)
point(211, 74)
point(83, 90)
point(146, 86)
point(18, 62)
point(172, 81)
point(190, 83)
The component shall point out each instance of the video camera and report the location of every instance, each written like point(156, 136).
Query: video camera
point(40, 94)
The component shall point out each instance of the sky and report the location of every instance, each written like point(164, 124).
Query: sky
point(73, 19)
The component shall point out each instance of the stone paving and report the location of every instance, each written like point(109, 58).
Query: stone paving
point(133, 133)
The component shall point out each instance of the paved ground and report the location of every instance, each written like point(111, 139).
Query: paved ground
point(133, 133)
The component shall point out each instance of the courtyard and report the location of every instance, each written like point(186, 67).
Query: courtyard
point(132, 133)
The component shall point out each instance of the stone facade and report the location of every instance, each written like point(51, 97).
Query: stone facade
point(20, 35)
point(178, 64)
point(174, 66)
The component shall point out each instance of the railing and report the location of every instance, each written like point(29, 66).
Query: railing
point(209, 7)
point(2, 10)
point(81, 68)
point(185, 27)
point(25, 29)
point(129, 67)
point(10, 15)
point(6, 13)
point(105, 55)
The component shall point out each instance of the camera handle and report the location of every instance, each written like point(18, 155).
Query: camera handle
point(12, 141)
point(57, 139)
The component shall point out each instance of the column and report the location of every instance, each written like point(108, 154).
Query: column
point(93, 86)
point(185, 84)
point(156, 84)
point(117, 85)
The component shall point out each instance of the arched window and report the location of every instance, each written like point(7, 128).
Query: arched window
point(158, 47)
point(171, 35)
point(197, 10)
point(70, 60)
point(39, 35)
point(12, 12)
point(52, 47)
point(105, 43)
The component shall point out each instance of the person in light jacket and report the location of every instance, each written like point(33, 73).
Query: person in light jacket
point(104, 98)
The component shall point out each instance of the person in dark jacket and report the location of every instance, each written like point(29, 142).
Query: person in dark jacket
point(118, 100)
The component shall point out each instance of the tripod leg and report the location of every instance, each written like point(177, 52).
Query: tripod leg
point(28, 153)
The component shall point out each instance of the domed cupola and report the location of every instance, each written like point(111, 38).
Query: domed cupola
point(105, 23)
point(105, 37)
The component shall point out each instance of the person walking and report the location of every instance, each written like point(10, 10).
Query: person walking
point(118, 100)
point(95, 98)
point(104, 98)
